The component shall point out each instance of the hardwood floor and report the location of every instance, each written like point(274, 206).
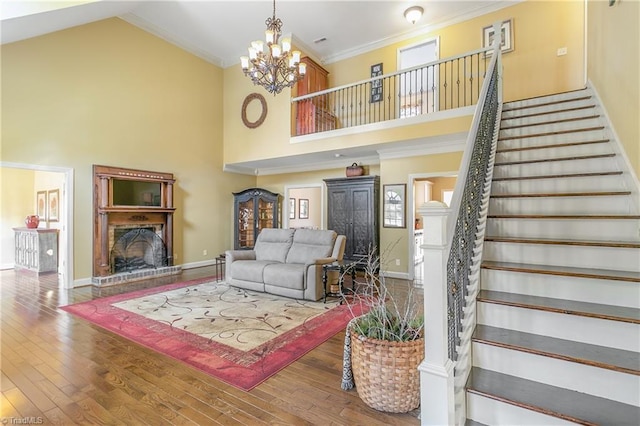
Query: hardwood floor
point(59, 369)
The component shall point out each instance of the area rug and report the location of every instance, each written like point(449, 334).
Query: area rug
point(238, 336)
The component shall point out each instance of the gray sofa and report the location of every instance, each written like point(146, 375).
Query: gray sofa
point(286, 262)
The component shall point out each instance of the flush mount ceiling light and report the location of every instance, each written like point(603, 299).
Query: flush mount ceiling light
point(272, 64)
point(413, 14)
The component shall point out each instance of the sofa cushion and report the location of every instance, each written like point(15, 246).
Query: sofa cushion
point(287, 275)
point(273, 244)
point(249, 270)
point(311, 244)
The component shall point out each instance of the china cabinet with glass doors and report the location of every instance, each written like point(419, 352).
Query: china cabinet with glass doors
point(254, 210)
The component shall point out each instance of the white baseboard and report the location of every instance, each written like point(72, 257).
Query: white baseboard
point(399, 275)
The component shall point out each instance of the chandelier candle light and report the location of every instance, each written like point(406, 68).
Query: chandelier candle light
point(272, 64)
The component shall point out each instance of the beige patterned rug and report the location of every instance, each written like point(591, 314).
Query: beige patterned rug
point(239, 336)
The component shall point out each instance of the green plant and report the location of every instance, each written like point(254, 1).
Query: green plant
point(390, 314)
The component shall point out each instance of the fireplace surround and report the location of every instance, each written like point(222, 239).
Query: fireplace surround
point(130, 201)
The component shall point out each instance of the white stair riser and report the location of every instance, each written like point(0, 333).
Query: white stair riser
point(497, 413)
point(567, 112)
point(556, 372)
point(552, 153)
point(560, 99)
point(615, 334)
point(591, 165)
point(590, 290)
point(550, 128)
point(562, 255)
point(583, 136)
point(589, 205)
point(587, 229)
point(556, 185)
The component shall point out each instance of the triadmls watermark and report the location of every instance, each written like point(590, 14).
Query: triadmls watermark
point(22, 420)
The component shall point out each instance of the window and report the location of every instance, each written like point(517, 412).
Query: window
point(418, 87)
point(394, 216)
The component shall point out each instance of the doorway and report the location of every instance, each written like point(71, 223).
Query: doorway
point(424, 187)
point(48, 181)
point(304, 206)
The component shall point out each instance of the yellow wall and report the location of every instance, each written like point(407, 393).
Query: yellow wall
point(110, 93)
point(17, 201)
point(531, 69)
point(394, 242)
point(613, 68)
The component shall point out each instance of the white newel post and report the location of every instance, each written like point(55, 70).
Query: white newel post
point(437, 402)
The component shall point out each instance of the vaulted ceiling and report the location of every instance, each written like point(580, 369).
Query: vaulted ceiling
point(220, 31)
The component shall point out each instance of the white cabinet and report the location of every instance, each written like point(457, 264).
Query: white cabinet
point(36, 249)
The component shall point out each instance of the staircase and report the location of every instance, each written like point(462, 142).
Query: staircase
point(557, 339)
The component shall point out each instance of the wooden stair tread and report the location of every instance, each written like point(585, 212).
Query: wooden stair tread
point(558, 176)
point(537, 114)
point(606, 274)
point(593, 310)
point(556, 132)
point(549, 146)
point(552, 241)
point(570, 405)
point(563, 194)
point(507, 107)
point(547, 160)
point(566, 217)
point(564, 120)
point(583, 353)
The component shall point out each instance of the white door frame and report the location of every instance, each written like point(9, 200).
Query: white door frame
point(411, 214)
point(66, 218)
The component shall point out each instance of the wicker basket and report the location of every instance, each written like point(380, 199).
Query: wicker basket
point(386, 373)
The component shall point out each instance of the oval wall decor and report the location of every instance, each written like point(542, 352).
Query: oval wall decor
point(263, 113)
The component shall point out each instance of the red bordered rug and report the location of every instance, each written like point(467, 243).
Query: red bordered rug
point(238, 336)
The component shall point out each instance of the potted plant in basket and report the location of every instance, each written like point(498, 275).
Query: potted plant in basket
point(384, 346)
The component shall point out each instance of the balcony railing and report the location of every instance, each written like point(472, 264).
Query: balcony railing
point(437, 86)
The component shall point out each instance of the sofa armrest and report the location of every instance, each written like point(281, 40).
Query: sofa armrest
point(322, 261)
point(313, 278)
point(233, 255)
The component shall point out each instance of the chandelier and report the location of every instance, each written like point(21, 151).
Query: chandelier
point(272, 64)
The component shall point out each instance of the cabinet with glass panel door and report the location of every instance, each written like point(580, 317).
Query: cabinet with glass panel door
point(254, 210)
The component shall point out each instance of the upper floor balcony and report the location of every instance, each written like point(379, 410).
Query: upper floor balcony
point(420, 91)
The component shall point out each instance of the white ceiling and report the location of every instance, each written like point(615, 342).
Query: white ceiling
point(220, 31)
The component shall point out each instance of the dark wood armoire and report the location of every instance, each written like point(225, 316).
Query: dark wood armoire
point(353, 210)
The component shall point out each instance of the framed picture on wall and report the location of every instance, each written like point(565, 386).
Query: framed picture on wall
point(488, 34)
point(394, 206)
point(41, 205)
point(54, 205)
point(292, 208)
point(303, 209)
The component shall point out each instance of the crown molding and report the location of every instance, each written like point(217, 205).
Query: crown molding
point(427, 29)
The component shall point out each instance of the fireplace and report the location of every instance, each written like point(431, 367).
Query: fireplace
point(133, 225)
point(137, 248)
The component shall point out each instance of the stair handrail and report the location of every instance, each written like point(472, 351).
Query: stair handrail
point(452, 253)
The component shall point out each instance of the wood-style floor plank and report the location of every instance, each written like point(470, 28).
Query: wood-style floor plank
point(67, 371)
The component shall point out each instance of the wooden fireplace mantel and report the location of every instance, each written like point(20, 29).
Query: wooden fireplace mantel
point(106, 211)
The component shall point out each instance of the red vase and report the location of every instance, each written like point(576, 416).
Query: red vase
point(32, 221)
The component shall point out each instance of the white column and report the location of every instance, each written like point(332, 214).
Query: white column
point(437, 399)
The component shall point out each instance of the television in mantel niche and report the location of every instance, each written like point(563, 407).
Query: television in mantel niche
point(129, 197)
